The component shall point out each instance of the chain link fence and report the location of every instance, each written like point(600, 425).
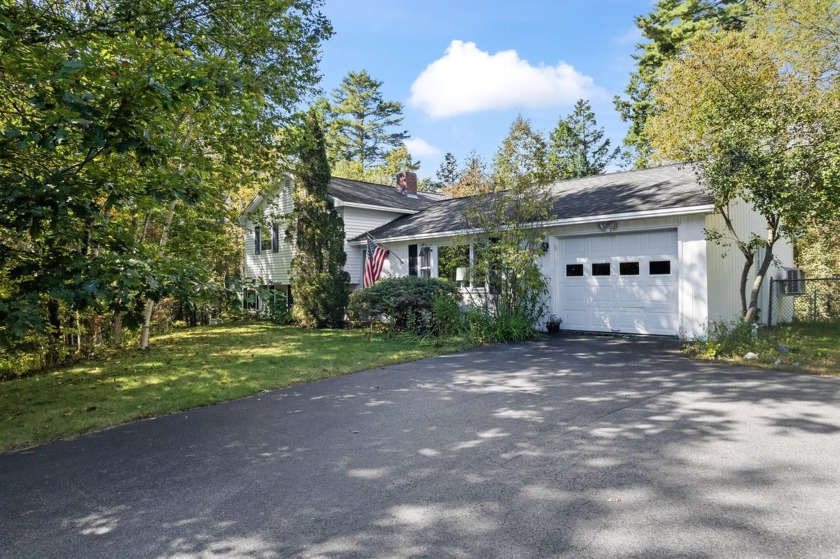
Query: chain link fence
point(804, 300)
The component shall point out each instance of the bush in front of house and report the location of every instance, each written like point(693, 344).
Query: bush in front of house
point(409, 303)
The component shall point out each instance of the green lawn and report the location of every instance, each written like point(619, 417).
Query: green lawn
point(812, 347)
point(186, 369)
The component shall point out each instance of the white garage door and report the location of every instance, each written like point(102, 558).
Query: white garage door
point(620, 283)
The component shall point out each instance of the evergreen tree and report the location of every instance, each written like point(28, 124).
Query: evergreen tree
point(362, 122)
point(473, 178)
point(522, 159)
point(667, 27)
point(577, 146)
point(447, 173)
point(319, 282)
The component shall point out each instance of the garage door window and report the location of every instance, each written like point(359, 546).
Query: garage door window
point(660, 267)
point(628, 268)
point(601, 269)
point(574, 269)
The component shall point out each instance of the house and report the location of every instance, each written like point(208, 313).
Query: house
point(626, 252)
point(362, 206)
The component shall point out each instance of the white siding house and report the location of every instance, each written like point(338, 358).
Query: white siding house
point(362, 206)
point(627, 252)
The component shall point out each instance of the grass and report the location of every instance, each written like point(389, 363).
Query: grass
point(812, 347)
point(187, 369)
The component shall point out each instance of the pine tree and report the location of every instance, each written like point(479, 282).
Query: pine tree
point(667, 28)
point(362, 122)
point(577, 146)
point(319, 282)
point(447, 173)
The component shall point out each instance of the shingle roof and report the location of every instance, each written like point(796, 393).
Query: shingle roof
point(659, 188)
point(359, 192)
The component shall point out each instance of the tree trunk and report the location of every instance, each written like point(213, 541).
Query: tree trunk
point(116, 328)
point(54, 342)
point(149, 306)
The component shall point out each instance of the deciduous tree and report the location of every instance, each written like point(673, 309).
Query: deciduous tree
point(758, 112)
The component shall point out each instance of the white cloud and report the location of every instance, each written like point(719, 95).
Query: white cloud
point(467, 80)
point(418, 147)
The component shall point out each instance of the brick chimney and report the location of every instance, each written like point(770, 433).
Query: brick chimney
point(410, 184)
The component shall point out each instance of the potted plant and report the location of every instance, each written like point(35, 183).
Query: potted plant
point(553, 324)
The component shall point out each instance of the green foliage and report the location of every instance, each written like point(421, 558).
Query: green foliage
point(405, 303)
point(447, 316)
point(319, 282)
point(485, 327)
point(577, 147)
point(447, 173)
point(810, 347)
point(758, 111)
point(361, 122)
point(667, 27)
point(505, 276)
point(128, 131)
point(473, 178)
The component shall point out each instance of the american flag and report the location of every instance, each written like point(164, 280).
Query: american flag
point(376, 256)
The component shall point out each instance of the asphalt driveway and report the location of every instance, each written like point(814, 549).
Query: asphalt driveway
point(566, 447)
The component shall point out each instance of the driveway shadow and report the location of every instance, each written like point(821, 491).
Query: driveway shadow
point(568, 446)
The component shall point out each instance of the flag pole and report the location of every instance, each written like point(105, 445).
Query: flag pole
point(380, 243)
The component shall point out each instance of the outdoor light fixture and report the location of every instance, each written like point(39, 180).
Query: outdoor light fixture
point(608, 226)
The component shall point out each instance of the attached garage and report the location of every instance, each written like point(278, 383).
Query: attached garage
point(627, 252)
point(620, 282)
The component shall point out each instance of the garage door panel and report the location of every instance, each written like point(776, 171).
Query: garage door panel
point(634, 302)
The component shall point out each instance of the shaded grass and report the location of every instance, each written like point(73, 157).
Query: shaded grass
point(811, 347)
point(187, 369)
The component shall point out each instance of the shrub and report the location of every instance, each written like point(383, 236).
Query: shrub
point(404, 303)
point(487, 328)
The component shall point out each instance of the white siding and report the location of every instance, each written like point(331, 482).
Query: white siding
point(271, 267)
point(275, 268)
point(726, 263)
point(356, 222)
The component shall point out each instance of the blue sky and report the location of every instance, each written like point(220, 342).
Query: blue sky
point(465, 69)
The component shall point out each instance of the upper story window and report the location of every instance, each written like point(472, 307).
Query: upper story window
point(266, 242)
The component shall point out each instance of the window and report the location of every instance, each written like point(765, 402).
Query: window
point(250, 300)
point(263, 243)
point(451, 259)
point(425, 261)
point(659, 267)
point(601, 269)
point(574, 270)
point(412, 260)
point(628, 268)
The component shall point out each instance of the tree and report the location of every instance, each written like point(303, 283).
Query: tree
point(447, 173)
point(319, 282)
point(522, 159)
point(758, 111)
point(508, 242)
point(124, 127)
point(362, 122)
point(473, 178)
point(667, 28)
point(577, 146)
point(396, 161)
